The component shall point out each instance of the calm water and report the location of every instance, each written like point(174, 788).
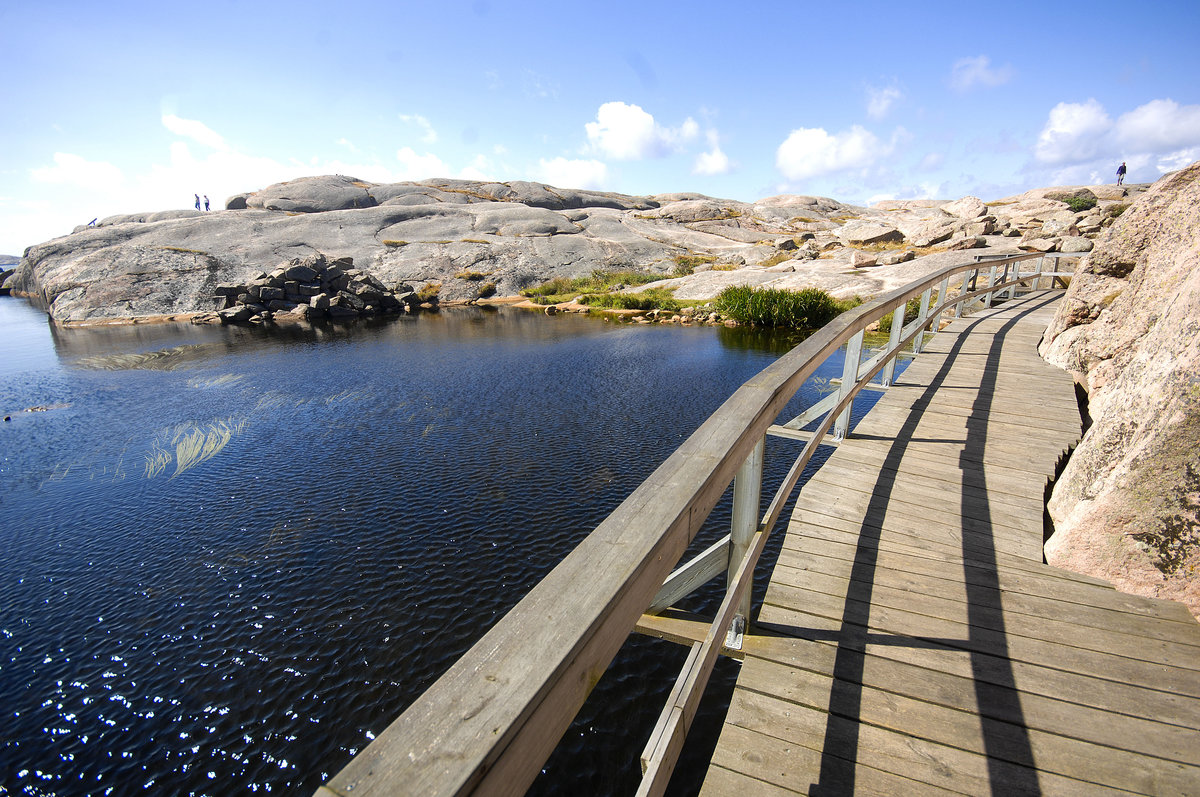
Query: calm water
point(233, 556)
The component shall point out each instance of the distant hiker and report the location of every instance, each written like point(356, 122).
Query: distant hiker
point(1121, 173)
point(197, 201)
point(206, 202)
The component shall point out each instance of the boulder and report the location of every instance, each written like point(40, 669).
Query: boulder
point(1039, 245)
point(969, 207)
point(1067, 195)
point(1127, 506)
point(313, 195)
point(932, 233)
point(966, 242)
point(1075, 243)
point(892, 258)
point(864, 231)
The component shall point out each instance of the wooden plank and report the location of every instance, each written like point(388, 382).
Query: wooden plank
point(883, 759)
point(704, 567)
point(1034, 583)
point(1047, 714)
point(933, 620)
point(1062, 755)
point(1100, 630)
point(791, 625)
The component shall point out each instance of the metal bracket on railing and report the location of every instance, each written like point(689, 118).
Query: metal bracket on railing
point(733, 637)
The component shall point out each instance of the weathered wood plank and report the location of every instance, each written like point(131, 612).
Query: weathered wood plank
point(1050, 714)
point(1064, 755)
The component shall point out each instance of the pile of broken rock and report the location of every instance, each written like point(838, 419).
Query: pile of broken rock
point(310, 289)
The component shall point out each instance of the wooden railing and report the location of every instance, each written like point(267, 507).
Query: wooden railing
point(490, 722)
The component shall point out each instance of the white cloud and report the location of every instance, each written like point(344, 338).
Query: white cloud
point(69, 169)
point(1159, 125)
point(480, 168)
point(196, 131)
point(1084, 144)
point(881, 100)
point(1174, 161)
point(419, 167)
point(1073, 132)
point(714, 161)
point(811, 152)
point(429, 135)
point(572, 173)
point(627, 132)
point(978, 71)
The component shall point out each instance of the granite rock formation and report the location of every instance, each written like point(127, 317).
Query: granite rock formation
point(1127, 506)
point(464, 241)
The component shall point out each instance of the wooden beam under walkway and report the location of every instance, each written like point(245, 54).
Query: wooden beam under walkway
point(912, 641)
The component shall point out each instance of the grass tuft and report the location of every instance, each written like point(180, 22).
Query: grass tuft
point(808, 308)
point(562, 289)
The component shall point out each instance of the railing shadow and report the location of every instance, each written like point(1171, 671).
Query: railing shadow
point(1010, 761)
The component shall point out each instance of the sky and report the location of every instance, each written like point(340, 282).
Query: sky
point(132, 107)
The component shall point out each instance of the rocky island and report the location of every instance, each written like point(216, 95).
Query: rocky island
point(462, 241)
point(1127, 507)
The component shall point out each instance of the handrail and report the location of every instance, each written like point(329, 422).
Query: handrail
point(490, 722)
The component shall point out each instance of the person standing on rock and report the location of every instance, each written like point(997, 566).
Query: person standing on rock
point(206, 203)
point(1121, 173)
point(197, 201)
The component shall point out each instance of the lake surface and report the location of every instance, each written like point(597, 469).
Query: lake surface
point(231, 556)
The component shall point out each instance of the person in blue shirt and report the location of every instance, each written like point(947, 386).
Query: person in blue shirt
point(1121, 173)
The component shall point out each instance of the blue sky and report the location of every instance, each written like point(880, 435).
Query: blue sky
point(130, 107)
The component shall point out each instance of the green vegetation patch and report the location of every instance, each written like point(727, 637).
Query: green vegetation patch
point(776, 259)
point(472, 276)
point(652, 299)
point(687, 264)
point(563, 289)
point(808, 308)
point(429, 291)
point(1078, 204)
point(1116, 210)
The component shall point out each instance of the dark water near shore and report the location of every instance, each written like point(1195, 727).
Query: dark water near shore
point(233, 556)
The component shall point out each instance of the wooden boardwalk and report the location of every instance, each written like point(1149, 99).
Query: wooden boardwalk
point(912, 641)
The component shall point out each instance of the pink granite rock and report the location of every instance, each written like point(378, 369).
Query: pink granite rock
point(1127, 506)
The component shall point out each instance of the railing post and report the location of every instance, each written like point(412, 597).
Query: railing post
point(747, 496)
point(889, 369)
point(922, 320)
point(943, 289)
point(1012, 289)
point(1037, 283)
point(967, 284)
point(987, 299)
point(849, 380)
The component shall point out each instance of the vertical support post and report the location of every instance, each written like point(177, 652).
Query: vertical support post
point(849, 380)
point(987, 299)
point(968, 277)
point(1037, 283)
point(943, 289)
point(747, 494)
point(1012, 289)
point(922, 319)
point(889, 369)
